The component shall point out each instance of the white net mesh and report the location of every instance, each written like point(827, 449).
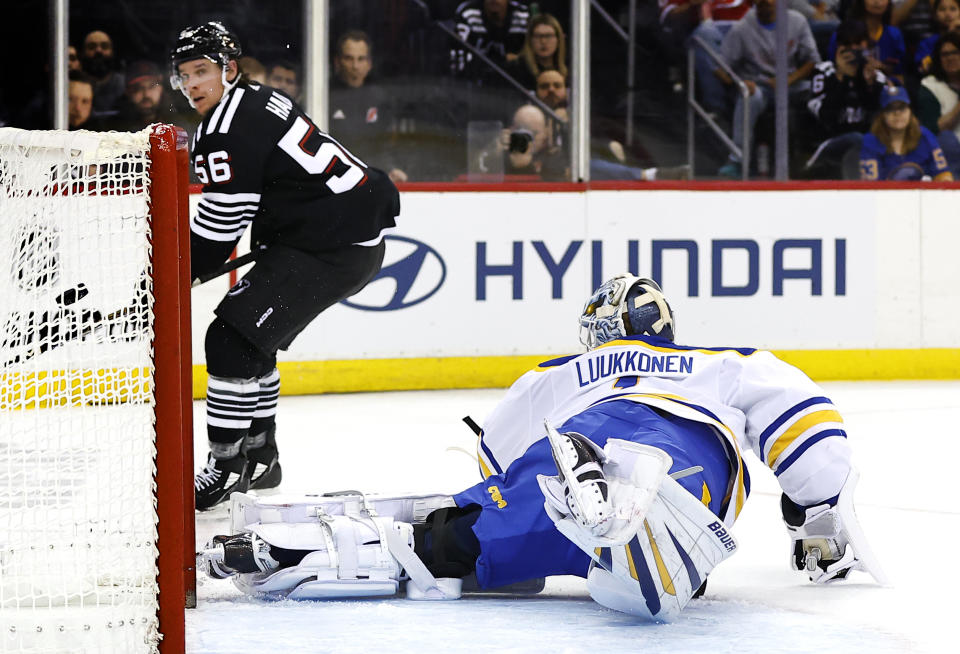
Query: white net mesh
point(77, 519)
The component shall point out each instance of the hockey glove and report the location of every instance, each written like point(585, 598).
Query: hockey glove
point(582, 500)
point(827, 541)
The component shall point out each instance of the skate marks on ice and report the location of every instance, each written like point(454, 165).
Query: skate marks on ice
point(240, 625)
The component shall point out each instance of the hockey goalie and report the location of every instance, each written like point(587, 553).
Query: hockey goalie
point(622, 465)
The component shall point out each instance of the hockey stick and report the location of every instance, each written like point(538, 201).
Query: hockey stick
point(229, 266)
point(474, 427)
point(48, 334)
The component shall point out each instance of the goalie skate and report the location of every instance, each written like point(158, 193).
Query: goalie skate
point(226, 556)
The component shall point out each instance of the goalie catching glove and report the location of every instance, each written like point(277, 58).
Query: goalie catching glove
point(651, 542)
point(827, 541)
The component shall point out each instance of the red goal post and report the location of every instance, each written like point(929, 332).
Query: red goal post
point(96, 434)
point(169, 154)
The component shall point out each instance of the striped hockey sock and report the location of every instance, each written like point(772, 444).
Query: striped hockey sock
point(260, 445)
point(231, 404)
point(264, 416)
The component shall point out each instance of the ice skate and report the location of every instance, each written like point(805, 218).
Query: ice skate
point(218, 479)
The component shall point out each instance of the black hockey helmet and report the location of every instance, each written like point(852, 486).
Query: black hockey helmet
point(210, 40)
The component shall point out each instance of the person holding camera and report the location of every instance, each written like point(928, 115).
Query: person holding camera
point(532, 148)
point(844, 95)
point(884, 38)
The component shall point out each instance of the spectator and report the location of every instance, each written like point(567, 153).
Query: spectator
point(531, 148)
point(497, 28)
point(938, 102)
point(844, 95)
point(73, 59)
point(36, 111)
point(99, 62)
point(898, 147)
point(749, 49)
point(914, 19)
point(353, 60)
point(544, 48)
point(946, 17)
point(709, 20)
point(145, 101)
point(885, 39)
point(822, 16)
point(551, 88)
point(360, 111)
point(285, 75)
point(253, 70)
point(80, 95)
point(608, 158)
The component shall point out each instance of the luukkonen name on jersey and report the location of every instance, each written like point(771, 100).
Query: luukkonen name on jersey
point(601, 366)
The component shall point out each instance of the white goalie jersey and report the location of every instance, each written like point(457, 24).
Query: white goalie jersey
point(753, 400)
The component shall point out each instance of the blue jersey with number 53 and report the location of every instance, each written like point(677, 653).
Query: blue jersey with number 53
point(926, 159)
point(261, 160)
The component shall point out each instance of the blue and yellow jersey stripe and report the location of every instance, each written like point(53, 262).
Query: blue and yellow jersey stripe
point(486, 460)
point(554, 363)
point(663, 345)
point(797, 429)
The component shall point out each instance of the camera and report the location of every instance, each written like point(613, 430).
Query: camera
point(859, 57)
point(520, 140)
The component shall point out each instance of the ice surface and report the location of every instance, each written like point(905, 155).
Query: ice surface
point(906, 442)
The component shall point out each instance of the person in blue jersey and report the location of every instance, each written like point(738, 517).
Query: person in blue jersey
point(946, 18)
point(623, 465)
point(898, 147)
point(885, 40)
point(318, 216)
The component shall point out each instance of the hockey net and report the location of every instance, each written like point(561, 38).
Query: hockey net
point(96, 508)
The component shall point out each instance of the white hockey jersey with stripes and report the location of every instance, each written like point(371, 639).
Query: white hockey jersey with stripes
point(754, 400)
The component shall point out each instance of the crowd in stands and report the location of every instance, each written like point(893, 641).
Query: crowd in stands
point(873, 87)
point(853, 67)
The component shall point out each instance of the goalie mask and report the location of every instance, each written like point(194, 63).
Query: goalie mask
point(625, 306)
point(210, 41)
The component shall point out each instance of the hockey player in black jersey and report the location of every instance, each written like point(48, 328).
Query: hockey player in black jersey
point(319, 215)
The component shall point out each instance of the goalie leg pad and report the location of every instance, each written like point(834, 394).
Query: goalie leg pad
point(658, 572)
point(248, 509)
point(357, 554)
point(350, 557)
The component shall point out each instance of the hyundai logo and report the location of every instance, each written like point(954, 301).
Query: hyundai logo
point(417, 273)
